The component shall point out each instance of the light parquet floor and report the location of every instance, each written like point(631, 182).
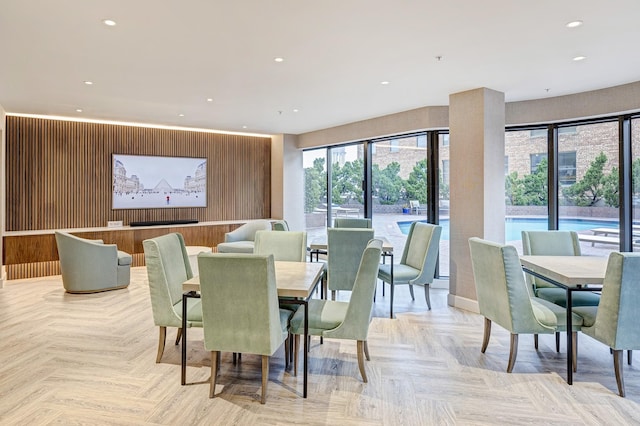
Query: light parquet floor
point(90, 359)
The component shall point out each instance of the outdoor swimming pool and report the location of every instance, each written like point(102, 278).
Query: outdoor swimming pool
point(514, 226)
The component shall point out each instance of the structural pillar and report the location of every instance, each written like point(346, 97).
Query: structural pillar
point(477, 204)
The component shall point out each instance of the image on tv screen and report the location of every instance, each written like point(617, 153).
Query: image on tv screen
point(141, 181)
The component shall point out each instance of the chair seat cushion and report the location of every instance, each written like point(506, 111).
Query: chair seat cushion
point(588, 314)
point(553, 315)
point(124, 258)
point(236, 247)
point(323, 315)
point(194, 311)
point(402, 274)
point(559, 297)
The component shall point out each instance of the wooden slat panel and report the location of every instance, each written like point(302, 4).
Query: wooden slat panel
point(59, 173)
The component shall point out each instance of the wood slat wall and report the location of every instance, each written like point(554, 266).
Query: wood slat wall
point(58, 173)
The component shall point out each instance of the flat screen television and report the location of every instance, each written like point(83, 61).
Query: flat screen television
point(144, 182)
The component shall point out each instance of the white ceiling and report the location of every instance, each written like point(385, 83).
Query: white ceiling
point(165, 58)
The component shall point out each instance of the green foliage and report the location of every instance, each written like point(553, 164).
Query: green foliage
point(314, 187)
point(347, 182)
point(387, 183)
point(531, 190)
point(590, 189)
point(611, 188)
point(416, 185)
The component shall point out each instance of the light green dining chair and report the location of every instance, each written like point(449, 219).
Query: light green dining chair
point(344, 320)
point(167, 268)
point(351, 222)
point(614, 321)
point(555, 243)
point(418, 263)
point(344, 250)
point(242, 239)
point(288, 246)
point(503, 298)
point(240, 310)
point(280, 225)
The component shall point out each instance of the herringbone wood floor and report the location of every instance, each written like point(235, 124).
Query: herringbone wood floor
point(89, 359)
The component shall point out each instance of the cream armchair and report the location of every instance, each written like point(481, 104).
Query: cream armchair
point(89, 266)
point(242, 239)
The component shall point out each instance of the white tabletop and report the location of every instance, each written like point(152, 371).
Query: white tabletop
point(568, 270)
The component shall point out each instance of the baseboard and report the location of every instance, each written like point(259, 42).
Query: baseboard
point(463, 303)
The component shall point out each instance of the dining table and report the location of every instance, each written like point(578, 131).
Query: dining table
point(572, 273)
point(295, 282)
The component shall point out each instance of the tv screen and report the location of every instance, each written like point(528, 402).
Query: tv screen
point(142, 182)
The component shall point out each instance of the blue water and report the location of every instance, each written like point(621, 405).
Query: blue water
point(514, 226)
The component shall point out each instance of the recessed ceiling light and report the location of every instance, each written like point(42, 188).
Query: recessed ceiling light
point(579, 58)
point(209, 99)
point(278, 59)
point(180, 115)
point(296, 110)
point(384, 82)
point(574, 24)
point(78, 109)
point(244, 127)
point(109, 22)
point(88, 83)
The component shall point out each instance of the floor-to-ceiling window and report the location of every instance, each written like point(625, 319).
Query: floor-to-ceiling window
point(315, 192)
point(347, 178)
point(635, 182)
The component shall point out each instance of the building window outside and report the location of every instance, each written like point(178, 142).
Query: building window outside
point(393, 146)
point(421, 141)
point(566, 166)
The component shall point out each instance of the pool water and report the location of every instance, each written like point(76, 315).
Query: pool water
point(514, 226)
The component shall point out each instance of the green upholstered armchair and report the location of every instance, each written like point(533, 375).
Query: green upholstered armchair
point(614, 321)
point(345, 320)
point(241, 240)
point(287, 246)
point(280, 225)
point(418, 263)
point(344, 251)
point(503, 297)
point(346, 222)
point(240, 309)
point(555, 243)
point(167, 268)
point(89, 266)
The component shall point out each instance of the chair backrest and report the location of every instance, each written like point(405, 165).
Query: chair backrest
point(288, 245)
point(616, 320)
point(344, 250)
point(280, 225)
point(356, 321)
point(500, 287)
point(240, 311)
point(549, 243)
point(247, 231)
point(348, 222)
point(421, 250)
point(167, 268)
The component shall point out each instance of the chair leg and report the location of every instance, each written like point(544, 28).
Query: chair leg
point(411, 291)
point(366, 351)
point(286, 351)
point(214, 372)
point(574, 350)
point(296, 350)
point(360, 351)
point(617, 366)
point(265, 377)
point(426, 296)
point(557, 341)
point(391, 303)
point(629, 357)
point(535, 341)
point(513, 352)
point(179, 336)
point(487, 334)
point(333, 295)
point(162, 338)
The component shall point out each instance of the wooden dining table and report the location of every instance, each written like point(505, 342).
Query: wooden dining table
point(572, 273)
point(295, 281)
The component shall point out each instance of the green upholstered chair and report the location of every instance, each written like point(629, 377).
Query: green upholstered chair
point(418, 263)
point(555, 243)
point(89, 266)
point(347, 222)
point(280, 225)
point(344, 320)
point(240, 309)
point(288, 245)
point(614, 321)
point(503, 297)
point(344, 250)
point(241, 240)
point(167, 268)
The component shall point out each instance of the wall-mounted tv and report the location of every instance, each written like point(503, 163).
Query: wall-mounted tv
point(144, 182)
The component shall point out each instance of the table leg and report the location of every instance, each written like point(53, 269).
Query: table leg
point(306, 348)
point(391, 303)
point(183, 365)
point(569, 338)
